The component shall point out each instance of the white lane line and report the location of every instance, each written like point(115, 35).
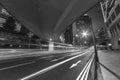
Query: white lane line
point(46, 57)
point(13, 50)
point(16, 66)
point(89, 69)
point(75, 64)
point(56, 59)
point(79, 76)
point(50, 67)
point(82, 72)
point(85, 74)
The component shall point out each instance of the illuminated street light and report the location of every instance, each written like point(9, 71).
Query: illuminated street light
point(84, 34)
point(85, 42)
point(85, 14)
point(50, 39)
point(76, 35)
point(109, 44)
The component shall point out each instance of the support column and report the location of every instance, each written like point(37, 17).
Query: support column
point(51, 46)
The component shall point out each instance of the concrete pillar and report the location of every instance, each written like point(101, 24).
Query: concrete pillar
point(51, 46)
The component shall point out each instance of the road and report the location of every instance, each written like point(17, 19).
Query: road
point(63, 66)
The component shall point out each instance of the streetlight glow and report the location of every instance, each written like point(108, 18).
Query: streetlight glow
point(50, 39)
point(84, 33)
point(76, 35)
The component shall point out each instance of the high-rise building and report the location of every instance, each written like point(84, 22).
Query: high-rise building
point(68, 35)
point(111, 14)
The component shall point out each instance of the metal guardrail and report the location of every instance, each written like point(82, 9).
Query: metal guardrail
point(91, 71)
point(112, 72)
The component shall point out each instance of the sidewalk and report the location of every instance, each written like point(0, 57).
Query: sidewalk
point(111, 60)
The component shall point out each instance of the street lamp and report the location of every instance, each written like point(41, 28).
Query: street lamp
point(50, 39)
point(76, 35)
point(84, 35)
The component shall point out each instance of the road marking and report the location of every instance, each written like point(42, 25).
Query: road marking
point(75, 64)
point(56, 59)
point(51, 67)
point(85, 69)
point(13, 50)
point(78, 78)
point(46, 57)
point(85, 74)
point(16, 66)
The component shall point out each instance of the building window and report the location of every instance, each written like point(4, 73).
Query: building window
point(116, 31)
point(111, 31)
point(107, 24)
point(118, 26)
point(117, 9)
point(113, 16)
point(109, 21)
point(119, 41)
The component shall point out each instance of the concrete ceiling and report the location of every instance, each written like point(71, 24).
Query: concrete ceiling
point(47, 18)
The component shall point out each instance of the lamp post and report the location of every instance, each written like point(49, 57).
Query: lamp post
point(95, 48)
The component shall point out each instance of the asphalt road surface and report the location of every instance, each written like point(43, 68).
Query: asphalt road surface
point(64, 66)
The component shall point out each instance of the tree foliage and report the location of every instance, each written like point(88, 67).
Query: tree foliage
point(9, 25)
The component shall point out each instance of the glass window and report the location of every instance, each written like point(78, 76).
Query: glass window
point(111, 31)
point(118, 26)
point(117, 9)
point(110, 21)
point(116, 30)
point(107, 24)
point(113, 16)
point(119, 41)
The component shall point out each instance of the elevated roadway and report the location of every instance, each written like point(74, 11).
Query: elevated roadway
point(47, 18)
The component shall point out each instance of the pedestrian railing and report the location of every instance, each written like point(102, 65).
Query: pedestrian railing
point(92, 70)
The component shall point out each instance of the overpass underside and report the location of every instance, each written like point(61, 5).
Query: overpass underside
point(47, 18)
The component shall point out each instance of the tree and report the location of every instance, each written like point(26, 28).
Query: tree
point(9, 25)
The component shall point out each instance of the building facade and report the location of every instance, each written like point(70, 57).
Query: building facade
point(111, 14)
point(68, 35)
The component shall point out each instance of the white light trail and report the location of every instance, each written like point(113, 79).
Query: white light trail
point(16, 66)
point(85, 69)
point(50, 67)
